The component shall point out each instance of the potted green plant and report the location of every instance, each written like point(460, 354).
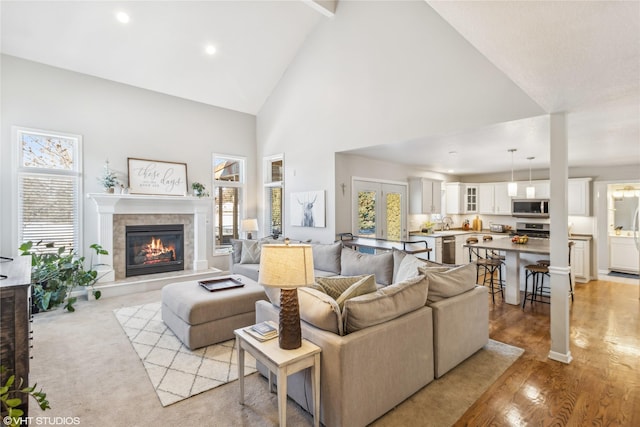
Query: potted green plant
point(9, 392)
point(108, 179)
point(55, 273)
point(199, 189)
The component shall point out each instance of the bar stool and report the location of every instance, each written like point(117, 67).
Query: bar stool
point(537, 273)
point(488, 265)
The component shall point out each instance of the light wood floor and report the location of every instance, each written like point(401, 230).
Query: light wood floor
point(600, 387)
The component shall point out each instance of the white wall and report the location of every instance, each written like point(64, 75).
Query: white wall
point(116, 121)
point(377, 72)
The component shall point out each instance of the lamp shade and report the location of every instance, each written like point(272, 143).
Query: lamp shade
point(249, 225)
point(286, 266)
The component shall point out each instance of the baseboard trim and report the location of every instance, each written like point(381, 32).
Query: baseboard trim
point(561, 357)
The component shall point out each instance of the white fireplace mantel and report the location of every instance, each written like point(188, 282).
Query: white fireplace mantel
point(112, 204)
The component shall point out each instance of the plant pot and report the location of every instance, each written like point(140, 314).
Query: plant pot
point(109, 190)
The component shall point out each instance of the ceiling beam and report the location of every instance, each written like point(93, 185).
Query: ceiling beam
point(325, 7)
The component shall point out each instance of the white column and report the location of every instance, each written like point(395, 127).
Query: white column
point(200, 241)
point(106, 209)
point(559, 229)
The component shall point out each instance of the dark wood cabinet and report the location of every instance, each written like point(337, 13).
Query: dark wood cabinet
point(15, 326)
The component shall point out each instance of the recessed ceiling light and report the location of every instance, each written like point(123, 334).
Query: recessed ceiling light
point(122, 17)
point(210, 49)
point(453, 153)
point(450, 171)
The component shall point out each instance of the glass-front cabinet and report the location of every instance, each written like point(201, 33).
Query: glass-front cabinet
point(471, 199)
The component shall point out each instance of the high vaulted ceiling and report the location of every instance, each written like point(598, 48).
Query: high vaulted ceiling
point(579, 57)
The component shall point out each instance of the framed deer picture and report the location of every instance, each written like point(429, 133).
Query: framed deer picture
point(307, 209)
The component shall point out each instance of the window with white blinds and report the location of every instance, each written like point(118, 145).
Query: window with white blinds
point(49, 180)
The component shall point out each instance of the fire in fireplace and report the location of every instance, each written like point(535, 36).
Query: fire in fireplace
point(154, 249)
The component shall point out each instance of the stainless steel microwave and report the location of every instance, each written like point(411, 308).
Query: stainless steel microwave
point(530, 208)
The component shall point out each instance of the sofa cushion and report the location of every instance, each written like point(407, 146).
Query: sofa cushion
point(398, 256)
point(250, 252)
point(408, 268)
point(327, 257)
point(343, 288)
point(385, 304)
point(316, 308)
point(446, 282)
point(354, 263)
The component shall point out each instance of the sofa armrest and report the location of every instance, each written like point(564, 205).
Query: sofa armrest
point(391, 361)
point(460, 328)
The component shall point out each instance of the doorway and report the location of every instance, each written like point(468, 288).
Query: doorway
point(379, 209)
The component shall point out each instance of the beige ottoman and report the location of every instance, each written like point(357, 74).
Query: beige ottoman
point(200, 318)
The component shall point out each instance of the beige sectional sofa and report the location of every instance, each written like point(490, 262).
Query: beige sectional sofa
point(381, 347)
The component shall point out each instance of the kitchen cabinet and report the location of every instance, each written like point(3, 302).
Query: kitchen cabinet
point(425, 196)
point(462, 253)
point(578, 196)
point(435, 244)
point(494, 199)
point(581, 260)
point(623, 255)
point(543, 189)
point(471, 199)
point(454, 198)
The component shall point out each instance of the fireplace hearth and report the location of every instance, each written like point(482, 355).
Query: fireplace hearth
point(154, 249)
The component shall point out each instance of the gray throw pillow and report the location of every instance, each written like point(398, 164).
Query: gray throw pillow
point(250, 252)
point(447, 282)
point(327, 257)
point(316, 308)
point(236, 246)
point(385, 304)
point(355, 264)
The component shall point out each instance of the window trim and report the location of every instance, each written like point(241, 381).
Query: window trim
point(267, 183)
point(18, 170)
point(241, 184)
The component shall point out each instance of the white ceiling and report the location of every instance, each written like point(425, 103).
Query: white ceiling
point(162, 48)
point(582, 57)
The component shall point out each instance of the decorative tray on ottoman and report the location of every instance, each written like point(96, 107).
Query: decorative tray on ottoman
point(221, 283)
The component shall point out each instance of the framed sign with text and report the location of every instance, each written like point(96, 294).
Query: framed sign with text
point(157, 177)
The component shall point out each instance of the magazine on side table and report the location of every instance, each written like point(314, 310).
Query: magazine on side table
point(263, 331)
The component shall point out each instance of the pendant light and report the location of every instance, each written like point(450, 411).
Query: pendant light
point(531, 190)
point(512, 187)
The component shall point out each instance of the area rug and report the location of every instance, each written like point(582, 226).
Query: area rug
point(175, 371)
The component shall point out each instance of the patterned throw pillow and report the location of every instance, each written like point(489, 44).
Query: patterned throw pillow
point(343, 288)
point(250, 252)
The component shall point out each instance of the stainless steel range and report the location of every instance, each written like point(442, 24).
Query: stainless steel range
point(532, 229)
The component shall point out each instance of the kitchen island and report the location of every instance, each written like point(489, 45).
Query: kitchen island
point(413, 245)
point(512, 261)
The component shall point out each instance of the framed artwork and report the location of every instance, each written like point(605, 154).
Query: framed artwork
point(307, 209)
point(157, 177)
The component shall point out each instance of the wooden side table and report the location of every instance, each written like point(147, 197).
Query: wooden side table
point(282, 363)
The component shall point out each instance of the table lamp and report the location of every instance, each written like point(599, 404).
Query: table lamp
point(287, 267)
point(248, 226)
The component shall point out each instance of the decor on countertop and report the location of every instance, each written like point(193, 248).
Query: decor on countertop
point(287, 267)
point(157, 177)
point(176, 372)
point(307, 209)
point(108, 178)
point(55, 273)
point(249, 225)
